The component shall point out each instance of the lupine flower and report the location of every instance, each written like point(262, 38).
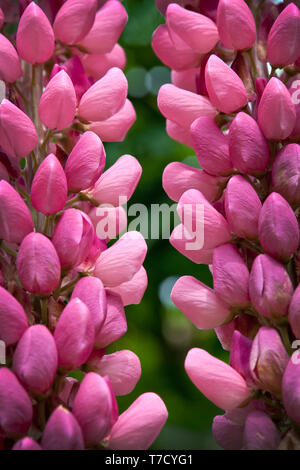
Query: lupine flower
point(270, 287)
point(26, 444)
point(33, 369)
point(115, 128)
point(236, 24)
point(38, 264)
point(16, 219)
point(290, 388)
point(284, 37)
point(115, 324)
point(14, 122)
point(240, 352)
point(95, 407)
point(49, 187)
point(58, 102)
point(276, 101)
point(285, 170)
point(138, 427)
point(10, 65)
point(97, 65)
point(35, 37)
point(278, 228)
point(227, 96)
point(13, 320)
point(74, 20)
point(74, 334)
point(109, 23)
point(260, 432)
point(62, 432)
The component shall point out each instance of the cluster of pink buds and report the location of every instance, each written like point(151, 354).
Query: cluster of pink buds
point(234, 99)
point(64, 285)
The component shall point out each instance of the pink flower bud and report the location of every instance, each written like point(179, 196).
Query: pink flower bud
point(109, 23)
point(38, 264)
point(76, 72)
point(276, 102)
point(132, 292)
point(138, 427)
point(197, 31)
point(62, 432)
point(286, 173)
point(49, 187)
point(242, 206)
point(105, 98)
point(260, 432)
point(225, 89)
point(179, 177)
point(239, 356)
point(73, 237)
point(182, 106)
point(95, 408)
point(85, 163)
point(13, 320)
point(97, 65)
point(74, 20)
point(26, 444)
point(120, 262)
point(231, 276)
point(212, 376)
point(109, 222)
point(278, 228)
point(199, 303)
point(15, 405)
point(211, 146)
point(163, 46)
point(284, 37)
point(236, 24)
point(14, 122)
point(270, 287)
point(294, 312)
point(15, 213)
point(291, 388)
point(213, 224)
point(90, 290)
point(115, 325)
point(248, 148)
point(33, 369)
point(117, 184)
point(123, 368)
point(58, 102)
point(116, 127)
point(35, 37)
point(10, 65)
point(268, 360)
point(74, 334)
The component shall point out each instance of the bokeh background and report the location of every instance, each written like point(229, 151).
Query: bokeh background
point(158, 332)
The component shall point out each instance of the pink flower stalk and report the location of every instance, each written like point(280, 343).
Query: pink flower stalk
point(35, 37)
point(138, 427)
point(49, 187)
point(246, 197)
point(74, 20)
point(58, 104)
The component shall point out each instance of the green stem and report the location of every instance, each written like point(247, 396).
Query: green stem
point(285, 338)
point(250, 54)
point(70, 284)
point(72, 201)
point(17, 89)
point(44, 310)
point(8, 250)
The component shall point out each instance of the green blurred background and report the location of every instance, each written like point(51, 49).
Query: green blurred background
point(158, 332)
